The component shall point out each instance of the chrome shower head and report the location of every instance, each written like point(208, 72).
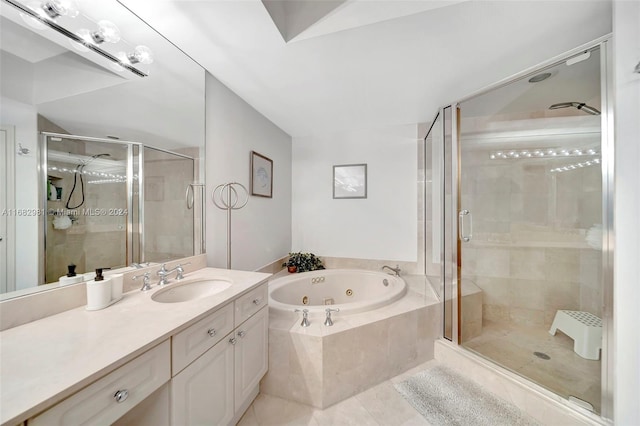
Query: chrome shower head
point(578, 105)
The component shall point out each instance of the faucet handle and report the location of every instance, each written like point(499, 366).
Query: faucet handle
point(180, 270)
point(328, 321)
point(145, 281)
point(305, 317)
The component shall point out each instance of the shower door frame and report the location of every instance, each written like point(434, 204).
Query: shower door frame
point(607, 164)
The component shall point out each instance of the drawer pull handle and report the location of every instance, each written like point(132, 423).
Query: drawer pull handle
point(257, 301)
point(233, 340)
point(241, 333)
point(211, 332)
point(121, 395)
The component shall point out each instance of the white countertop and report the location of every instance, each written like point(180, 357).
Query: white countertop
point(45, 361)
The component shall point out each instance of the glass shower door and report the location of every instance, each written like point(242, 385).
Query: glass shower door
point(166, 178)
point(530, 226)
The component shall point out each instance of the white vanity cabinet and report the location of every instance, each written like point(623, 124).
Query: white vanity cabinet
point(223, 380)
point(107, 399)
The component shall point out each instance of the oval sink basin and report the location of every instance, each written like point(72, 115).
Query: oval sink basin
point(175, 293)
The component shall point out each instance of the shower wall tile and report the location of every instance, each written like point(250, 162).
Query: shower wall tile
point(527, 263)
point(526, 316)
point(493, 262)
point(496, 313)
point(526, 294)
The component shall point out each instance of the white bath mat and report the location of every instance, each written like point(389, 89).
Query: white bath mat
point(444, 397)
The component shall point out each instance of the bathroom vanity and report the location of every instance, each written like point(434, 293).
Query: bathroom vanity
point(141, 361)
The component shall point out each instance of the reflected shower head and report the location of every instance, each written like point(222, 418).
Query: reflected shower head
point(578, 105)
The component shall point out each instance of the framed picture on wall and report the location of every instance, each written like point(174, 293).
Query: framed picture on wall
point(261, 175)
point(350, 181)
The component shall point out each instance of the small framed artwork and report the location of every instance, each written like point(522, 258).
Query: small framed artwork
point(261, 175)
point(350, 181)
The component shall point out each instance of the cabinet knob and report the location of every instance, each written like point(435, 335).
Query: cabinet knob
point(257, 301)
point(233, 340)
point(241, 333)
point(211, 332)
point(121, 395)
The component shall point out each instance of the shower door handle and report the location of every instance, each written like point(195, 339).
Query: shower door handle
point(465, 237)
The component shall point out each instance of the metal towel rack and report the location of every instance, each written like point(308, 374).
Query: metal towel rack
point(229, 204)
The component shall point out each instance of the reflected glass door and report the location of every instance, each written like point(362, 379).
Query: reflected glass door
point(530, 227)
point(86, 205)
point(166, 178)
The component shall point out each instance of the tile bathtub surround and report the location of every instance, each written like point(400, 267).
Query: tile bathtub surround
point(54, 300)
point(410, 268)
point(320, 366)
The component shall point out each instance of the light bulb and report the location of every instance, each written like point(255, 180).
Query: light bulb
point(55, 8)
point(107, 31)
point(141, 54)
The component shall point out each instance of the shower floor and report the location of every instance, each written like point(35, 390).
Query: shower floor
point(565, 373)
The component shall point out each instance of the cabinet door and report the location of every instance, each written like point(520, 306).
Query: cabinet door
point(202, 394)
point(251, 354)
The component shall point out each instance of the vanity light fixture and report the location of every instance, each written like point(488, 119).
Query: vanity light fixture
point(141, 54)
point(43, 15)
point(55, 8)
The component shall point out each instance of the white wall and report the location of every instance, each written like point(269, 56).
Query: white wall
point(23, 118)
point(383, 226)
point(261, 231)
point(626, 360)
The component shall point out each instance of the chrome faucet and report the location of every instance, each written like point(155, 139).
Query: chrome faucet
point(305, 317)
point(163, 273)
point(328, 321)
point(146, 284)
point(396, 269)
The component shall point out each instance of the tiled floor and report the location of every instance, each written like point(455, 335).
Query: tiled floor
point(380, 405)
point(566, 373)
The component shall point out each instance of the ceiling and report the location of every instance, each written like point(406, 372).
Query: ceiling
point(320, 66)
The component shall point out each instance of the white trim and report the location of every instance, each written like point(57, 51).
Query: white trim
point(10, 194)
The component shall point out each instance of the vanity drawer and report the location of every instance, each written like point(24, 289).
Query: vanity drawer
point(107, 399)
point(250, 303)
point(189, 344)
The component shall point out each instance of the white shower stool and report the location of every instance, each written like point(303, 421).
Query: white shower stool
point(584, 328)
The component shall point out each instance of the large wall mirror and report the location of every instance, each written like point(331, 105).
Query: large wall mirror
point(78, 127)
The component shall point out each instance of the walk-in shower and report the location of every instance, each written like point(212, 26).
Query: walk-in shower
point(106, 204)
point(520, 215)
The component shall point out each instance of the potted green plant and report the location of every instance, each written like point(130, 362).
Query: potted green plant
point(303, 262)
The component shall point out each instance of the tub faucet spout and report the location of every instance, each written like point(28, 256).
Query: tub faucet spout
point(396, 269)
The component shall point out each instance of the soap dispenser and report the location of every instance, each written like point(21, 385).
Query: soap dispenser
point(98, 291)
point(71, 277)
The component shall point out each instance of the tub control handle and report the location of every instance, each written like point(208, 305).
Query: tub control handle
point(328, 321)
point(211, 332)
point(466, 238)
point(305, 317)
